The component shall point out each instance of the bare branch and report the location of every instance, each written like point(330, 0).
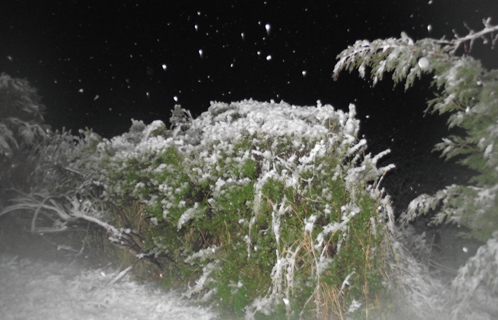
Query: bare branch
point(472, 36)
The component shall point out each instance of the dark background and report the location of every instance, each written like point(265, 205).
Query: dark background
point(97, 64)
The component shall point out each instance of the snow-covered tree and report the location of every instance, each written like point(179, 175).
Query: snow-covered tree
point(469, 94)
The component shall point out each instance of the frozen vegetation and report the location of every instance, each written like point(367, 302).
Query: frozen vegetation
point(255, 195)
point(468, 93)
point(259, 208)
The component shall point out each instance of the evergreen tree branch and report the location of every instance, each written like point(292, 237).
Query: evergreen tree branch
point(469, 93)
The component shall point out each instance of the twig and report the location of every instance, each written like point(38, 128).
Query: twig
point(120, 275)
point(345, 283)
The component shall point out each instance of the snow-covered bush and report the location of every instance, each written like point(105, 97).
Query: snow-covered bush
point(262, 208)
point(60, 186)
point(476, 286)
point(21, 129)
point(48, 179)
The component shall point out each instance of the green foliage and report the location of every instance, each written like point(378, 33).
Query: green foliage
point(259, 208)
point(468, 92)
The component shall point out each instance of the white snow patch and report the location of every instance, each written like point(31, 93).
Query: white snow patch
point(53, 290)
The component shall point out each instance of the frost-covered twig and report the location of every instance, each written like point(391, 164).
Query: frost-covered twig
point(120, 275)
point(453, 45)
point(345, 283)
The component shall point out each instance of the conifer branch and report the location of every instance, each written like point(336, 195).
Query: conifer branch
point(468, 92)
point(404, 57)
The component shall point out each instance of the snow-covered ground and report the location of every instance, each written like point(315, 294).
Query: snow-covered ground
point(54, 290)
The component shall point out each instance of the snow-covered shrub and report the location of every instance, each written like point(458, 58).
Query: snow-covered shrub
point(61, 182)
point(48, 179)
point(263, 208)
point(476, 286)
point(21, 129)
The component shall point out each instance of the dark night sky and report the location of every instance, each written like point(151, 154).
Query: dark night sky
point(98, 64)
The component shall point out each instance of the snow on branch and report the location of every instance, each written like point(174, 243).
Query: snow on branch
point(404, 57)
point(472, 36)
